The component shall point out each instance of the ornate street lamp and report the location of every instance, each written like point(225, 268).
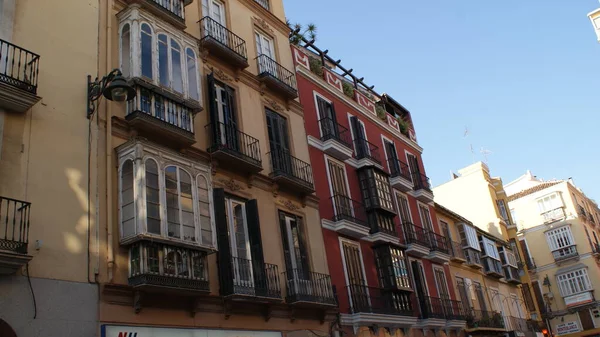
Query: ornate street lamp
point(112, 86)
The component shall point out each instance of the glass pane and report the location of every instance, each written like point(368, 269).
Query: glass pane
point(176, 66)
point(152, 198)
point(146, 50)
point(125, 50)
point(192, 75)
point(240, 234)
point(153, 265)
point(163, 60)
point(153, 225)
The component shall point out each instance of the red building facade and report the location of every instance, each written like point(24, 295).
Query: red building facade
point(384, 249)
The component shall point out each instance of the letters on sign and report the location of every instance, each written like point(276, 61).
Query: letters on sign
point(393, 122)
point(301, 58)
point(333, 80)
point(565, 328)
point(365, 102)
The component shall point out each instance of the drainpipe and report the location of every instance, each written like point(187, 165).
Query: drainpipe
point(109, 223)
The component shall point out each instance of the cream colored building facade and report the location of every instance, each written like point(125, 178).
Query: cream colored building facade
point(558, 230)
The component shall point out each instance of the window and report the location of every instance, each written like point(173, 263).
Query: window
point(294, 246)
point(192, 74)
point(353, 263)
point(146, 46)
point(502, 208)
point(127, 200)
point(177, 80)
point(445, 230)
point(327, 119)
point(490, 248)
point(223, 115)
point(560, 238)
point(215, 10)
point(159, 259)
point(359, 135)
point(513, 215)
point(468, 236)
point(462, 286)
point(509, 257)
point(126, 50)
point(392, 157)
point(152, 197)
point(425, 217)
point(163, 60)
point(180, 212)
point(549, 203)
point(204, 209)
point(441, 283)
point(375, 189)
point(403, 208)
point(480, 296)
point(392, 267)
point(574, 282)
point(264, 46)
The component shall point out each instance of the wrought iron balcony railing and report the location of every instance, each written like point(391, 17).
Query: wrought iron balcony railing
point(421, 182)
point(366, 150)
point(348, 209)
point(284, 164)
point(309, 287)
point(228, 138)
point(457, 250)
point(167, 111)
point(211, 29)
point(492, 266)
point(415, 234)
point(399, 169)
point(554, 215)
point(18, 67)
point(565, 253)
point(330, 129)
point(263, 3)
point(173, 7)
point(454, 310)
point(472, 256)
point(518, 324)
point(14, 225)
point(432, 307)
point(511, 274)
point(438, 243)
point(155, 264)
point(364, 299)
point(269, 67)
point(485, 319)
point(251, 278)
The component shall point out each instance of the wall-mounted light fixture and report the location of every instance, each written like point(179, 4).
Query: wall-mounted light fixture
point(112, 86)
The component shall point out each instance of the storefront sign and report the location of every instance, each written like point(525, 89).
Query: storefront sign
point(565, 328)
point(137, 331)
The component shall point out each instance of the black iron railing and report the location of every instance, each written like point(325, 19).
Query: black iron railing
point(263, 3)
point(366, 150)
point(19, 67)
point(491, 265)
point(454, 310)
point(162, 108)
point(268, 66)
point(414, 234)
point(284, 164)
point(345, 208)
point(308, 287)
point(517, 324)
point(485, 319)
point(14, 225)
point(511, 273)
point(228, 138)
point(421, 182)
point(530, 263)
point(457, 250)
point(472, 256)
point(364, 299)
point(160, 265)
point(252, 278)
point(173, 7)
point(438, 243)
point(211, 29)
point(399, 169)
point(330, 129)
point(432, 307)
point(565, 253)
point(554, 214)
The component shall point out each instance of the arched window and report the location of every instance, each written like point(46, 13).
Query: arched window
point(176, 65)
point(180, 208)
point(126, 50)
point(127, 200)
point(152, 197)
point(204, 211)
point(146, 46)
point(163, 60)
point(192, 74)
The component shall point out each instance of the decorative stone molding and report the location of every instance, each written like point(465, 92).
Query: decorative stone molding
point(273, 104)
point(220, 74)
point(289, 205)
point(263, 24)
point(231, 184)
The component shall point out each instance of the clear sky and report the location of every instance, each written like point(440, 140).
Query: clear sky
point(522, 75)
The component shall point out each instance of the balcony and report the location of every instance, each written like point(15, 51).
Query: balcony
point(276, 77)
point(416, 239)
point(369, 305)
point(519, 324)
point(223, 43)
point(14, 234)
point(422, 188)
point(291, 172)
point(263, 3)
point(400, 175)
point(309, 289)
point(366, 154)
point(556, 214)
point(233, 148)
point(171, 11)
point(19, 70)
point(492, 267)
point(349, 217)
point(457, 252)
point(511, 274)
point(156, 267)
point(250, 280)
point(161, 117)
point(432, 307)
point(473, 258)
point(335, 139)
point(565, 254)
point(454, 310)
point(578, 299)
point(440, 252)
point(485, 320)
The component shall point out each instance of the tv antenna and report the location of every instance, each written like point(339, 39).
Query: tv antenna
point(485, 152)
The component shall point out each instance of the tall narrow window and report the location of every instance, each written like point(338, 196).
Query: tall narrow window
point(146, 47)
point(163, 60)
point(502, 209)
point(152, 197)
point(176, 65)
point(403, 208)
point(126, 50)
point(441, 283)
point(425, 217)
point(192, 74)
point(180, 213)
point(294, 246)
point(127, 200)
point(204, 208)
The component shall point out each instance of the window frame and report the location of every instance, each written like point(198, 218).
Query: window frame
point(490, 249)
point(397, 195)
point(370, 180)
point(271, 41)
point(568, 284)
point(552, 238)
point(395, 261)
point(559, 202)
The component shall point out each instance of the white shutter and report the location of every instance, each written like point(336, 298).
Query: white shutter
point(471, 235)
point(490, 248)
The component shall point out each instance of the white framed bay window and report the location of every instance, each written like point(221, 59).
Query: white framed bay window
point(163, 197)
point(574, 282)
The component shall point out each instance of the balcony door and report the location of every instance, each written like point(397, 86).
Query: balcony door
point(441, 283)
point(223, 114)
point(295, 252)
point(279, 143)
point(216, 28)
point(418, 274)
point(413, 166)
point(240, 243)
point(355, 276)
point(327, 119)
point(392, 157)
point(265, 46)
point(342, 205)
point(361, 147)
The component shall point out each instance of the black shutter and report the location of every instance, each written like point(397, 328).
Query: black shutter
point(213, 113)
point(230, 120)
point(224, 253)
point(359, 137)
point(256, 250)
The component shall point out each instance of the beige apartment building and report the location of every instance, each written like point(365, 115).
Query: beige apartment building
point(558, 232)
point(480, 198)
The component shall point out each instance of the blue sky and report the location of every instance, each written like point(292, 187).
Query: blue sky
point(521, 75)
